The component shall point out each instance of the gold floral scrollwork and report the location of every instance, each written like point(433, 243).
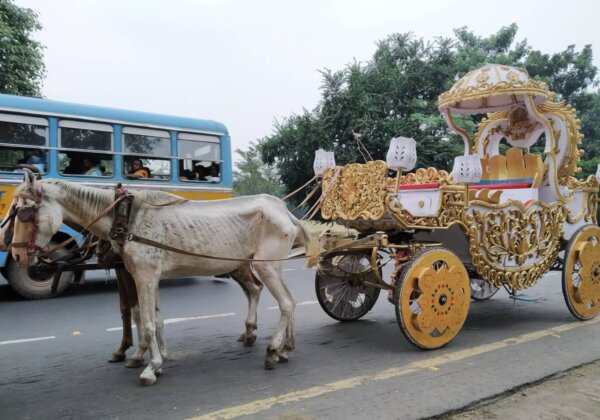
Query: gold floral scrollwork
point(592, 208)
point(423, 176)
point(356, 191)
point(574, 137)
point(513, 246)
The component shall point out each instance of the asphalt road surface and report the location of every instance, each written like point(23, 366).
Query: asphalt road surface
point(53, 356)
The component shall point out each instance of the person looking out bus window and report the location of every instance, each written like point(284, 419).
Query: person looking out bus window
point(213, 173)
point(33, 160)
point(92, 166)
point(138, 170)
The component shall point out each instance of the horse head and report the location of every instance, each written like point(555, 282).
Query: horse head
point(37, 220)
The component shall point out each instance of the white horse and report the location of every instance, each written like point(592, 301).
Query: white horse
point(256, 232)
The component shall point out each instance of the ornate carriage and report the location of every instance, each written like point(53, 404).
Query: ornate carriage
point(502, 218)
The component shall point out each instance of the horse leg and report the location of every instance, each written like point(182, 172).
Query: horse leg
point(147, 286)
point(125, 308)
point(252, 288)
point(271, 275)
point(124, 279)
point(137, 358)
point(160, 328)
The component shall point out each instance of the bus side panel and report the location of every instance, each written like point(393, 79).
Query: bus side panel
point(201, 195)
point(6, 196)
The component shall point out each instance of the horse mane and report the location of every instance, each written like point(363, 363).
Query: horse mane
point(86, 201)
point(92, 200)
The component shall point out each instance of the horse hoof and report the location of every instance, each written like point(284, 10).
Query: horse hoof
point(147, 378)
point(117, 358)
point(271, 360)
point(270, 364)
point(249, 340)
point(134, 363)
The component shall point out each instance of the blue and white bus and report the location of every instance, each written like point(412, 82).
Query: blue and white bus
point(104, 146)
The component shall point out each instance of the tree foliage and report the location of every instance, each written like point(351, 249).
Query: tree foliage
point(252, 176)
point(395, 93)
point(21, 57)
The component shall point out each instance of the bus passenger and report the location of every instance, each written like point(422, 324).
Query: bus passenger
point(92, 166)
point(34, 161)
point(138, 170)
point(213, 175)
point(186, 175)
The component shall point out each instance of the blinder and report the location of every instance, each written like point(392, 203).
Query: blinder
point(26, 214)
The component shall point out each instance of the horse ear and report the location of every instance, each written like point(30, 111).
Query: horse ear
point(28, 179)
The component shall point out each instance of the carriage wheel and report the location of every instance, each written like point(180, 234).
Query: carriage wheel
point(432, 298)
point(581, 273)
point(481, 289)
point(341, 289)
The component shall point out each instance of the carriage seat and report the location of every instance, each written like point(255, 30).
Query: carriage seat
point(514, 171)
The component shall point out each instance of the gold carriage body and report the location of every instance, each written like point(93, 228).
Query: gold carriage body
point(522, 212)
point(508, 228)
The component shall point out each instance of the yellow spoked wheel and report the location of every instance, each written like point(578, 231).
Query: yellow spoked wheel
point(432, 298)
point(581, 273)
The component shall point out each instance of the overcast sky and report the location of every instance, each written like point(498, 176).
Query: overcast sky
point(247, 63)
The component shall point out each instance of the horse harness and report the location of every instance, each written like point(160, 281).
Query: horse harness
point(118, 234)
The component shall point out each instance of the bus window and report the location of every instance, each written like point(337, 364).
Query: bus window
point(199, 157)
point(86, 149)
point(147, 153)
point(23, 143)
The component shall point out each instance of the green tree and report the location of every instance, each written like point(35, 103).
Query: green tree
point(21, 57)
point(395, 93)
point(252, 176)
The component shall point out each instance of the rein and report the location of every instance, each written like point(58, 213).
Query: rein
point(132, 237)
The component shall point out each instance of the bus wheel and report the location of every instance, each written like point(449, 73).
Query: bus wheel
point(30, 288)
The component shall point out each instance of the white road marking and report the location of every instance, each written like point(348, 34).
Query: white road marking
point(258, 406)
point(306, 302)
point(177, 320)
point(27, 340)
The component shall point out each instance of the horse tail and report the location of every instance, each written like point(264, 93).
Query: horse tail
point(311, 244)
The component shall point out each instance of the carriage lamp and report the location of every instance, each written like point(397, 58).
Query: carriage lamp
point(323, 160)
point(401, 156)
point(467, 169)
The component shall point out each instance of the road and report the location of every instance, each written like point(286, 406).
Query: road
point(364, 369)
